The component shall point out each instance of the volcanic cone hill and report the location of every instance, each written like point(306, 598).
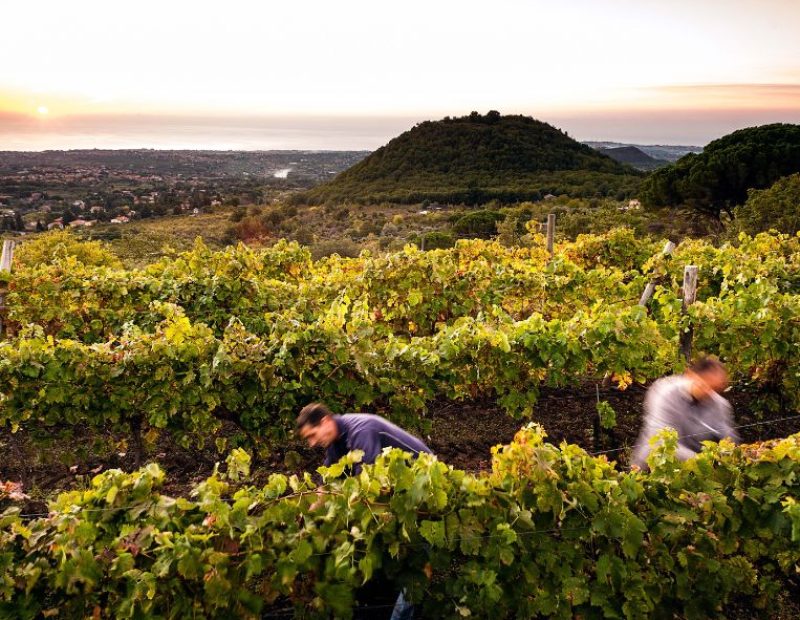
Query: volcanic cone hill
point(475, 159)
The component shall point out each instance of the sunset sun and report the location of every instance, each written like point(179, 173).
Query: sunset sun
point(43, 110)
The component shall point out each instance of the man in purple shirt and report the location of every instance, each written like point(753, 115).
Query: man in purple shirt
point(340, 434)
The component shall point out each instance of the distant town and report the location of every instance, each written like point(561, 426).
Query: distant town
point(58, 189)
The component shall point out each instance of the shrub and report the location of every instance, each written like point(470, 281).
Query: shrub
point(52, 246)
point(438, 240)
point(238, 214)
point(478, 224)
point(251, 228)
point(343, 247)
point(777, 207)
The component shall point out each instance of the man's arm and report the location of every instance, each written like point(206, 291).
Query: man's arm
point(684, 453)
point(643, 449)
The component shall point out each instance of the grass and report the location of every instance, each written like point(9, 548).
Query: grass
point(143, 241)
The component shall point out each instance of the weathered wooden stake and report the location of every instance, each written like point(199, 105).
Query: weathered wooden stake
point(551, 232)
point(5, 265)
point(647, 295)
point(598, 429)
point(8, 254)
point(689, 297)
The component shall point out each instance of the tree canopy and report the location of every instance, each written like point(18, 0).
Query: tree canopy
point(777, 207)
point(719, 178)
point(475, 159)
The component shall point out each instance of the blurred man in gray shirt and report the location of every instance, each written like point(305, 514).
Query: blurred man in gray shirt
point(692, 405)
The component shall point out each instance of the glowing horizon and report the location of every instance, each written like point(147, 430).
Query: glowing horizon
point(82, 72)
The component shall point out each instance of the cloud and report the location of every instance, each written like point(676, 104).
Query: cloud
point(687, 118)
point(742, 96)
point(13, 121)
point(237, 132)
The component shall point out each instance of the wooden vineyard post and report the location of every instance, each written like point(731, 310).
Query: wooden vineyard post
point(5, 265)
point(647, 295)
point(689, 297)
point(598, 429)
point(8, 254)
point(551, 232)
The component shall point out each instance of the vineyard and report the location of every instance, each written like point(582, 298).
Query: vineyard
point(218, 350)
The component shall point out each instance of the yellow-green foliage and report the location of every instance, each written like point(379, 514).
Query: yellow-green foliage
point(399, 330)
point(776, 208)
point(50, 247)
point(550, 532)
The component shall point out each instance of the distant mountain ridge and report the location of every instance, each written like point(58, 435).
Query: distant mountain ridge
point(634, 156)
point(477, 158)
point(667, 152)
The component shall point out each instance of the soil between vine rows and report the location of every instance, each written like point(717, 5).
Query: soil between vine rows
point(47, 461)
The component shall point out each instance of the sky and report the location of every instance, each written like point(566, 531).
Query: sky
point(352, 74)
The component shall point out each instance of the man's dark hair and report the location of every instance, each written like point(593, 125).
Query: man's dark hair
point(312, 414)
point(706, 363)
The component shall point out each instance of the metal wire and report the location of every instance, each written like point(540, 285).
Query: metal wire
point(33, 515)
point(775, 421)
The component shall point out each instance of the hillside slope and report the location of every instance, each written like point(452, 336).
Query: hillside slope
point(477, 158)
point(634, 156)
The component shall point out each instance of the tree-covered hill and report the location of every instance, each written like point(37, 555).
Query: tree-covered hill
point(477, 158)
point(717, 179)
